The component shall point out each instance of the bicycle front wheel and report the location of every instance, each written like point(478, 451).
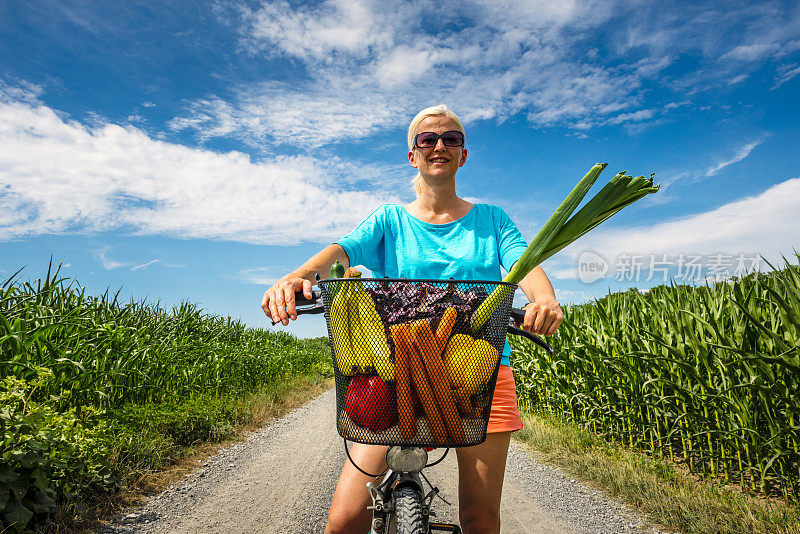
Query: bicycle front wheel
point(408, 511)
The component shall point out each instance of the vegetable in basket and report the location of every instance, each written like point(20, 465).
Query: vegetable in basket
point(411, 374)
point(337, 271)
point(421, 370)
point(558, 232)
point(430, 352)
point(470, 363)
point(403, 303)
point(405, 402)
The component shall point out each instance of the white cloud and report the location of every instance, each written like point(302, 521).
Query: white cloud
point(22, 91)
point(145, 265)
point(370, 65)
point(558, 273)
point(359, 66)
point(261, 276)
point(58, 175)
point(752, 52)
point(743, 153)
point(763, 224)
point(108, 264)
point(675, 105)
point(274, 111)
point(347, 26)
point(787, 74)
point(387, 91)
point(636, 116)
point(403, 65)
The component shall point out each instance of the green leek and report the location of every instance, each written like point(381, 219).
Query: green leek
point(561, 230)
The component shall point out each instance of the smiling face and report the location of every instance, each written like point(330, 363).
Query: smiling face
point(441, 161)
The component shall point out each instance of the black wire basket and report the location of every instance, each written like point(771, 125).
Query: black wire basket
point(410, 369)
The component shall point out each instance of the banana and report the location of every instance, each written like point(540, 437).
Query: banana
point(340, 331)
point(373, 331)
point(362, 352)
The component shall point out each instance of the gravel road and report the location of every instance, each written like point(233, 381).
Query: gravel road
point(281, 479)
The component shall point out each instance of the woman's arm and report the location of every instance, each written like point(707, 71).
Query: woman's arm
point(543, 315)
point(278, 301)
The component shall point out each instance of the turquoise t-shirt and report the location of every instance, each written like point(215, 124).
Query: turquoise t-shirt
point(392, 242)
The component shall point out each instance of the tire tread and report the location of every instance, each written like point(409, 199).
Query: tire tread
point(408, 511)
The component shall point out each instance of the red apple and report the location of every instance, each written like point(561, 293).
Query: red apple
point(370, 402)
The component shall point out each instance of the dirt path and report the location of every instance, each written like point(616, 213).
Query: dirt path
point(282, 478)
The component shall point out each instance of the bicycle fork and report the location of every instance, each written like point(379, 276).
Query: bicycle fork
point(405, 471)
point(383, 505)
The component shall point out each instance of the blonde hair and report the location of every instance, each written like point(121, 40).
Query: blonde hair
point(434, 111)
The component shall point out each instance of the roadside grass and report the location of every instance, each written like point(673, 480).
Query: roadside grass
point(151, 453)
point(660, 490)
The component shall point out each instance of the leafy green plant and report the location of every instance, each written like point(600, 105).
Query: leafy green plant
point(47, 457)
point(198, 419)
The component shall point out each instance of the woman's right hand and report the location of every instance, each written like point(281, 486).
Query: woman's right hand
point(278, 301)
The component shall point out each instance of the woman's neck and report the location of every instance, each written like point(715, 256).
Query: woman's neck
point(438, 205)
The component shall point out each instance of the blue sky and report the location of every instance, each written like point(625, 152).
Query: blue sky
point(188, 151)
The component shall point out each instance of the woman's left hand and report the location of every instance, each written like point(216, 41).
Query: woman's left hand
point(543, 317)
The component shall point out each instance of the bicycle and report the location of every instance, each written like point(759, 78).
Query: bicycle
point(400, 503)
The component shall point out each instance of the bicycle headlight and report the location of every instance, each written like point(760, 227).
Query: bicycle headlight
point(406, 460)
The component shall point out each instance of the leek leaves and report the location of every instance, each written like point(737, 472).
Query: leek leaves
point(560, 230)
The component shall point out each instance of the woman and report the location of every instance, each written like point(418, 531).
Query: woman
point(438, 235)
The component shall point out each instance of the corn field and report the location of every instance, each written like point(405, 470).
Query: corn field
point(707, 376)
point(105, 353)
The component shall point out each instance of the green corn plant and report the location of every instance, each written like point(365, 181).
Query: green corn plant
point(106, 353)
point(707, 375)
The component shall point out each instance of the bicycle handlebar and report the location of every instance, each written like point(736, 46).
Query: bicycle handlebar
point(300, 298)
point(309, 307)
point(314, 306)
point(517, 316)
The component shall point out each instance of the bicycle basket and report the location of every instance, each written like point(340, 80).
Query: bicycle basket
point(409, 369)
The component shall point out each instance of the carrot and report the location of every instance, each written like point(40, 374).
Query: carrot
point(422, 334)
point(445, 327)
point(463, 403)
point(423, 342)
point(424, 392)
point(405, 404)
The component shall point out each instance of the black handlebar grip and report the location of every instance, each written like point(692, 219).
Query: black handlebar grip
point(312, 306)
point(518, 315)
point(301, 300)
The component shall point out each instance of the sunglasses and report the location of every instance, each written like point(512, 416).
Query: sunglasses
point(450, 138)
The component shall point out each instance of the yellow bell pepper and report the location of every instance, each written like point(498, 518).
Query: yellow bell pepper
point(469, 362)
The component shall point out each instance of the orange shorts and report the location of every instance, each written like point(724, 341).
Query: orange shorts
point(504, 416)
